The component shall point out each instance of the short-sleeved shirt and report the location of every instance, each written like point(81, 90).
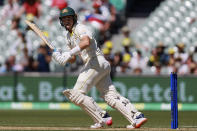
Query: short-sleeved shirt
point(73, 39)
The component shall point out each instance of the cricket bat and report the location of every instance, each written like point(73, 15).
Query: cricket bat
point(39, 33)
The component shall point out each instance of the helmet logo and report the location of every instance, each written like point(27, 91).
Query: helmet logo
point(64, 11)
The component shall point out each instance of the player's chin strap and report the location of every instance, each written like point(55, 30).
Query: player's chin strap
point(85, 102)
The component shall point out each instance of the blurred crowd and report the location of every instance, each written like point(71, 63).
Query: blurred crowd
point(106, 17)
point(28, 55)
point(160, 60)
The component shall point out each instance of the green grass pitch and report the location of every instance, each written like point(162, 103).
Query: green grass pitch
point(78, 120)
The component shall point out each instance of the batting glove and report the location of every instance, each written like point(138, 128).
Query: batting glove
point(61, 58)
point(65, 57)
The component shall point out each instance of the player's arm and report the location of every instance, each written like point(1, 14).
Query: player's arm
point(63, 58)
point(84, 43)
point(85, 37)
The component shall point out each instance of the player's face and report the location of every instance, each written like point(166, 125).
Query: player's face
point(68, 22)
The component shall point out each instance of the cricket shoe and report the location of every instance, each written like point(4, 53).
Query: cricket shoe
point(97, 125)
point(107, 119)
point(140, 120)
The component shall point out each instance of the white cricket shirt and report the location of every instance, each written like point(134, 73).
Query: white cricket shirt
point(73, 39)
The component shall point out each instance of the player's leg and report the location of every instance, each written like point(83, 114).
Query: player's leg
point(125, 107)
point(86, 103)
point(115, 100)
point(84, 82)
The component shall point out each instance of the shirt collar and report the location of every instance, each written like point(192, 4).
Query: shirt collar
point(73, 29)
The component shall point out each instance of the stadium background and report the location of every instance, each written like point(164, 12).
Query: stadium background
point(144, 41)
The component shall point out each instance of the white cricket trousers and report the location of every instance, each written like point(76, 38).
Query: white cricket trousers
point(96, 72)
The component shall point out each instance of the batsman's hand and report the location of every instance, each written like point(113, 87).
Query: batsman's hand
point(61, 58)
point(66, 56)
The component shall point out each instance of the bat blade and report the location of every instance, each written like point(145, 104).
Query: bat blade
point(39, 33)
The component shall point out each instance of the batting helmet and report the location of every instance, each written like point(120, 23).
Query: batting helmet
point(68, 11)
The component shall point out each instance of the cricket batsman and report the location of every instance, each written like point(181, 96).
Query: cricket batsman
point(95, 72)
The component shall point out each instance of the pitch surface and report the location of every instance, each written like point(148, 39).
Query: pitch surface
point(78, 120)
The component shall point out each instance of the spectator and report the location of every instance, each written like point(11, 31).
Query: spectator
point(5, 68)
point(24, 57)
point(107, 53)
point(181, 53)
point(11, 66)
point(108, 44)
point(18, 46)
point(107, 50)
point(159, 55)
point(31, 65)
point(191, 64)
point(158, 68)
point(171, 63)
point(60, 4)
point(153, 58)
point(116, 63)
point(99, 17)
point(15, 23)
point(31, 7)
point(183, 69)
point(178, 64)
point(125, 63)
point(9, 10)
point(108, 7)
point(119, 5)
point(163, 57)
point(113, 28)
point(43, 59)
point(16, 26)
point(137, 63)
point(126, 41)
point(127, 50)
point(126, 37)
